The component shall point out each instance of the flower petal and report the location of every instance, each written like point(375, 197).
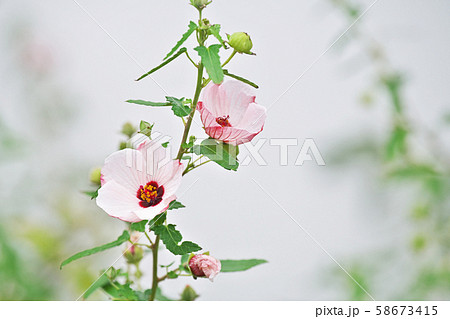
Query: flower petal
point(229, 98)
point(152, 211)
point(126, 168)
point(253, 119)
point(117, 201)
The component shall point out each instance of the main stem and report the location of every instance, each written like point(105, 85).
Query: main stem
point(155, 269)
point(194, 106)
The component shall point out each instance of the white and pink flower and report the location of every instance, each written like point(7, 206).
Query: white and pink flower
point(229, 113)
point(204, 266)
point(139, 184)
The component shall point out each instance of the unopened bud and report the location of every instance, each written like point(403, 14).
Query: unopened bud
point(188, 294)
point(200, 4)
point(204, 266)
point(95, 176)
point(134, 254)
point(241, 42)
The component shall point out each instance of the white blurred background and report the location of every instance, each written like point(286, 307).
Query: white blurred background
point(64, 80)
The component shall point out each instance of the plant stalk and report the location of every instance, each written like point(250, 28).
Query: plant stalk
point(194, 106)
point(155, 269)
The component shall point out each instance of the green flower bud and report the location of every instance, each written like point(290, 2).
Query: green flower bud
point(134, 254)
point(241, 42)
point(95, 175)
point(188, 294)
point(200, 4)
point(128, 129)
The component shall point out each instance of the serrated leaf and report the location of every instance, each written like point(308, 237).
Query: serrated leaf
point(171, 238)
point(178, 106)
point(237, 77)
point(215, 31)
point(191, 28)
point(219, 152)
point(148, 103)
point(229, 265)
point(180, 52)
point(139, 226)
point(211, 61)
point(122, 239)
point(175, 205)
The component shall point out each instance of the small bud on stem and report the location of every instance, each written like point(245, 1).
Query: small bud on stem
point(240, 42)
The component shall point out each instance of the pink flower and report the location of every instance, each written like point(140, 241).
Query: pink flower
point(204, 266)
point(139, 184)
point(229, 112)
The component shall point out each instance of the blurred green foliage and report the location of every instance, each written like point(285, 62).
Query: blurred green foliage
point(425, 178)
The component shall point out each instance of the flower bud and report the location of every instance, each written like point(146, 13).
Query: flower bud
point(188, 294)
point(134, 254)
point(128, 129)
point(241, 42)
point(204, 266)
point(95, 176)
point(200, 4)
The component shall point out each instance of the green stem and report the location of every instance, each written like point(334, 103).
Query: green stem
point(155, 269)
point(188, 169)
point(229, 59)
point(189, 57)
point(194, 106)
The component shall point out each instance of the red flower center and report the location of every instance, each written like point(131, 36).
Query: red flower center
point(150, 195)
point(223, 121)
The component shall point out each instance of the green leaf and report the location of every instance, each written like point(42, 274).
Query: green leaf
point(102, 281)
point(184, 263)
point(139, 226)
point(145, 295)
point(215, 31)
point(211, 61)
point(175, 205)
point(123, 238)
point(178, 106)
point(219, 152)
point(148, 103)
point(240, 265)
point(146, 128)
point(180, 52)
point(165, 144)
point(157, 220)
point(396, 144)
point(192, 27)
point(171, 237)
point(121, 292)
point(92, 194)
point(172, 274)
point(237, 77)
